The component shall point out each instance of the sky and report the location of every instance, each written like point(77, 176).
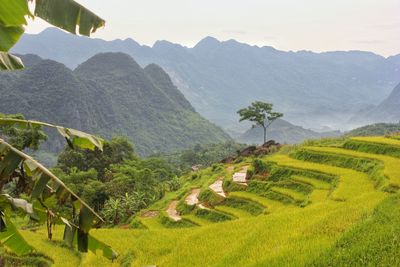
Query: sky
point(316, 25)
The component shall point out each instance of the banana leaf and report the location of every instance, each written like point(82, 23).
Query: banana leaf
point(74, 137)
point(13, 240)
point(68, 15)
point(10, 62)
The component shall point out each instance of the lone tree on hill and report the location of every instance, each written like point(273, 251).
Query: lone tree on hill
point(261, 114)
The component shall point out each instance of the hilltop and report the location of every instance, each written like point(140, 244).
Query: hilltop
point(109, 94)
point(313, 90)
point(331, 202)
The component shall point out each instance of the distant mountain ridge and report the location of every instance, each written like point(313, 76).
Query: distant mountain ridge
point(109, 94)
point(218, 78)
point(387, 111)
point(284, 133)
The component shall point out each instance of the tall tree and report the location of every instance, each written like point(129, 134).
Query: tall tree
point(261, 114)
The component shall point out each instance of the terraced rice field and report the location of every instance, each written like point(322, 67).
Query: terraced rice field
point(310, 201)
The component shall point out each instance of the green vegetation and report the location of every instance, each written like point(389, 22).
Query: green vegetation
point(310, 205)
point(314, 205)
point(212, 215)
point(23, 179)
point(371, 243)
point(204, 155)
point(109, 95)
point(375, 129)
point(116, 182)
point(13, 18)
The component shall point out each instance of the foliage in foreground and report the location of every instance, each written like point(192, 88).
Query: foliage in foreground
point(52, 201)
point(65, 14)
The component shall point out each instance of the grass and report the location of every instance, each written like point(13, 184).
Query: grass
point(271, 205)
point(259, 241)
point(348, 221)
point(390, 165)
point(233, 212)
point(374, 145)
point(350, 182)
point(213, 215)
point(296, 196)
point(318, 184)
point(374, 242)
point(248, 206)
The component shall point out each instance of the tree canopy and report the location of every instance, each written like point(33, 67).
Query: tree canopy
point(261, 114)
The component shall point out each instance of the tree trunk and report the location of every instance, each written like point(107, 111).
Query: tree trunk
point(265, 134)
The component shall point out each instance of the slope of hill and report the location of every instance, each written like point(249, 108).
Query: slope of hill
point(283, 132)
point(330, 203)
point(110, 94)
point(218, 78)
point(375, 129)
point(386, 111)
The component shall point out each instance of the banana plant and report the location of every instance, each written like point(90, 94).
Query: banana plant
point(65, 14)
point(45, 189)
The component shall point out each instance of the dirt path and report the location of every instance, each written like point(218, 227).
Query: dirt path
point(172, 212)
point(217, 187)
point(193, 199)
point(240, 177)
point(150, 214)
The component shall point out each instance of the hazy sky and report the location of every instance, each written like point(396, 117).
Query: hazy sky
point(317, 25)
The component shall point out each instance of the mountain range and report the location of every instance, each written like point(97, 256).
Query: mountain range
point(314, 90)
point(387, 111)
point(109, 94)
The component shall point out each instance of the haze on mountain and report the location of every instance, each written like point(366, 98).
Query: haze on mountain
point(109, 94)
point(314, 90)
point(284, 133)
point(387, 111)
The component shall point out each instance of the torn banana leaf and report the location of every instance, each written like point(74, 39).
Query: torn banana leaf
point(68, 15)
point(10, 62)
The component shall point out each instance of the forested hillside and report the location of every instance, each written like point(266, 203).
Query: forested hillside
point(312, 89)
point(110, 94)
